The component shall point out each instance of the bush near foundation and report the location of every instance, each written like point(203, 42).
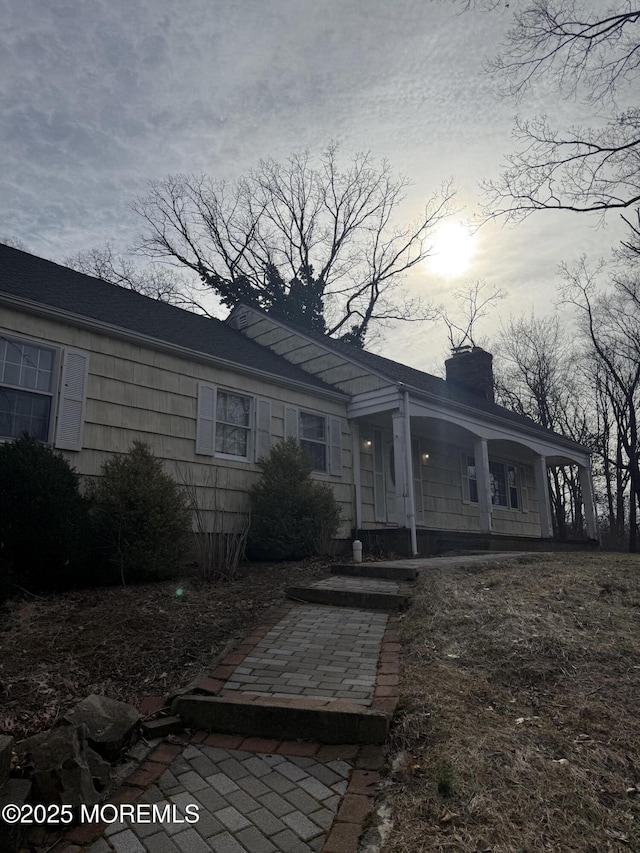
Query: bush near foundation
point(292, 516)
point(141, 522)
point(43, 519)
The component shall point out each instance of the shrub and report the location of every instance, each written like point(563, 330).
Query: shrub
point(141, 520)
point(43, 519)
point(221, 535)
point(292, 516)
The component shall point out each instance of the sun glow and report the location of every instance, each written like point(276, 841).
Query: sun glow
point(454, 246)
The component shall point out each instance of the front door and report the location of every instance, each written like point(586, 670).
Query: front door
point(384, 477)
point(390, 480)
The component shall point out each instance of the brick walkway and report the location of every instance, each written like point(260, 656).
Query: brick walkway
point(258, 793)
point(324, 652)
point(252, 801)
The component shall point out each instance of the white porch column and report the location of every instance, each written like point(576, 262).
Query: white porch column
point(481, 455)
point(408, 457)
point(400, 468)
point(588, 502)
point(542, 492)
point(357, 486)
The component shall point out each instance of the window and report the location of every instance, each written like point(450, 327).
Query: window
point(313, 438)
point(233, 424)
point(512, 485)
point(472, 479)
point(507, 483)
point(26, 388)
point(497, 484)
point(319, 435)
point(230, 424)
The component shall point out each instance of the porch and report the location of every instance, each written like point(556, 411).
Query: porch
point(451, 477)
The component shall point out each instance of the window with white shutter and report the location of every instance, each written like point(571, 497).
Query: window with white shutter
point(319, 435)
point(228, 424)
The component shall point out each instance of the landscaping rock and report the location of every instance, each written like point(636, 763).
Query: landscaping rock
point(58, 766)
point(111, 724)
point(100, 769)
point(15, 792)
point(6, 748)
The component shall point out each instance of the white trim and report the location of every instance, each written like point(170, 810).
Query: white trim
point(334, 447)
point(357, 474)
point(206, 419)
point(207, 422)
point(542, 491)
point(141, 339)
point(332, 436)
point(411, 504)
point(481, 457)
point(263, 429)
point(379, 477)
point(54, 392)
point(476, 422)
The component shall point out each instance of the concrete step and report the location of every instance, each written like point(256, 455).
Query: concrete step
point(375, 570)
point(338, 597)
point(323, 721)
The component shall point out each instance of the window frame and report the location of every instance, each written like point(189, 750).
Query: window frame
point(520, 483)
point(259, 427)
point(250, 429)
point(51, 394)
point(324, 443)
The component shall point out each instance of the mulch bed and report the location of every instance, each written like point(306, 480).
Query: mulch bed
point(127, 643)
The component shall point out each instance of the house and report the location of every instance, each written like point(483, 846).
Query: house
point(89, 367)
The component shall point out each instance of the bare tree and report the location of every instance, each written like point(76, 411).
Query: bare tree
point(611, 322)
point(537, 375)
point(156, 281)
point(303, 239)
point(591, 56)
point(474, 302)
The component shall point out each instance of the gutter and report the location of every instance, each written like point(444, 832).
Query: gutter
point(82, 322)
point(540, 432)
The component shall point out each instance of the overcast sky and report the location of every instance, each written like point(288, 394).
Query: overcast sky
point(99, 96)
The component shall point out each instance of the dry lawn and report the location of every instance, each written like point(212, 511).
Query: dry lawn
point(126, 643)
point(520, 728)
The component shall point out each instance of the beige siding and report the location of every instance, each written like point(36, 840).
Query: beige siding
point(442, 498)
point(135, 392)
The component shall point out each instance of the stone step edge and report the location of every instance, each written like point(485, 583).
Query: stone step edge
point(349, 598)
point(371, 570)
point(331, 722)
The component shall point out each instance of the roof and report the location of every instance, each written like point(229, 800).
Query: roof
point(48, 284)
point(419, 380)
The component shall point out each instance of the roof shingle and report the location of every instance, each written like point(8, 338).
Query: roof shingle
point(46, 283)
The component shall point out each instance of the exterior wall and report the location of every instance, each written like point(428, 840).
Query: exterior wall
point(330, 367)
point(444, 506)
point(135, 392)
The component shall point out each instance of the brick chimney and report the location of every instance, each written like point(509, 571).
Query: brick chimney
point(472, 369)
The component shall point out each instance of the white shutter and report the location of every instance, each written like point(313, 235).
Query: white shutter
point(524, 490)
point(464, 477)
point(72, 400)
point(263, 429)
point(290, 423)
point(206, 419)
point(379, 497)
point(335, 446)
